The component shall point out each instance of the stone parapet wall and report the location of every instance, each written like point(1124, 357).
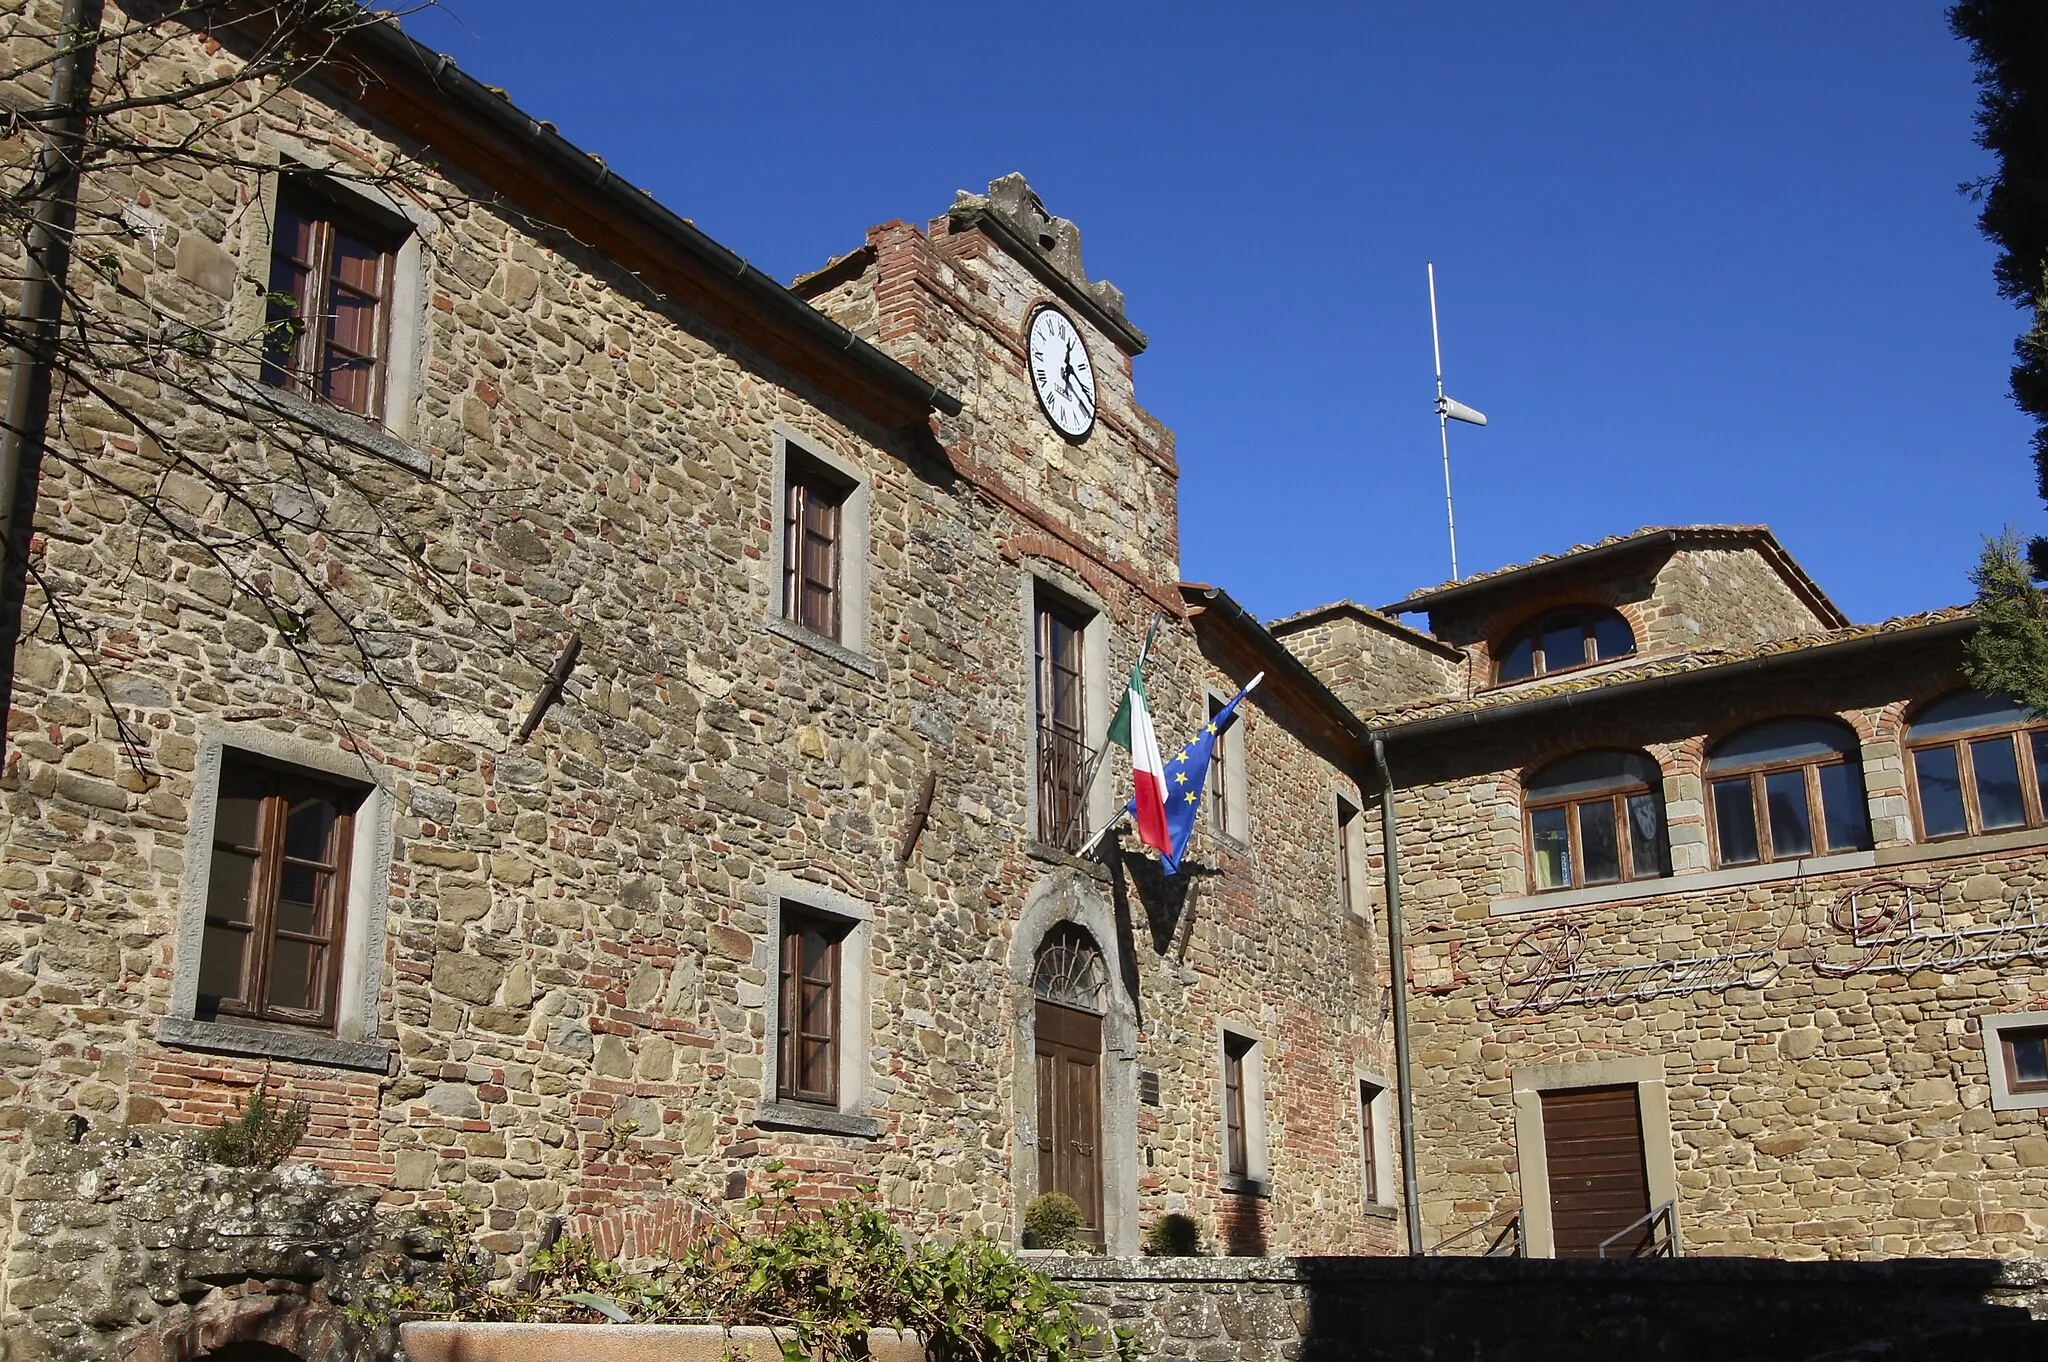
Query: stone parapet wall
point(1508, 1310)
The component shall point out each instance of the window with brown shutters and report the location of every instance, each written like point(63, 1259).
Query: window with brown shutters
point(1218, 785)
point(813, 526)
point(1236, 1141)
point(277, 895)
point(328, 317)
point(808, 1027)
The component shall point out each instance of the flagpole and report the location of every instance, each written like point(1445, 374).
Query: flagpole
point(1443, 420)
point(1102, 753)
point(1125, 812)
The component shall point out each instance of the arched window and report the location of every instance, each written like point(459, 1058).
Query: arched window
point(1785, 789)
point(1977, 764)
point(1573, 637)
point(1596, 818)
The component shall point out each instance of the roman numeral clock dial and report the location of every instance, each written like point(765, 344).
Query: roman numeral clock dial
point(1060, 373)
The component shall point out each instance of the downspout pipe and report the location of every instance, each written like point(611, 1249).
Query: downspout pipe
point(25, 433)
point(1411, 1187)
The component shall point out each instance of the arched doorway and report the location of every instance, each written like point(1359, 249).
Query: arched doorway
point(1070, 992)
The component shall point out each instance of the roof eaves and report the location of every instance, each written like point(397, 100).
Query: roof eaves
point(388, 43)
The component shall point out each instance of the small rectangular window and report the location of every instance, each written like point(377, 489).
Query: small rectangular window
point(1219, 773)
point(1785, 804)
point(2026, 1058)
point(1939, 782)
point(807, 1054)
point(277, 895)
point(1368, 1094)
point(1236, 1141)
point(1997, 769)
point(1350, 858)
point(1550, 841)
point(812, 545)
point(1735, 822)
point(328, 310)
point(1599, 848)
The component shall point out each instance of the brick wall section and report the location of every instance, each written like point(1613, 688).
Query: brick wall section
point(1815, 1116)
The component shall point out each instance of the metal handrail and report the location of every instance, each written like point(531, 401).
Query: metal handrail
point(1508, 1243)
point(1651, 1246)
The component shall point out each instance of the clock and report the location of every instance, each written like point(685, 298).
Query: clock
point(1060, 372)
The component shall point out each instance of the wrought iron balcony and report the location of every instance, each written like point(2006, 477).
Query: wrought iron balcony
point(1063, 765)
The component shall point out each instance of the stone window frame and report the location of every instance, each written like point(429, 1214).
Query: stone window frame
point(1100, 796)
point(1257, 1178)
point(1353, 850)
point(393, 433)
point(1528, 1083)
point(2003, 1098)
point(353, 1043)
point(856, 1081)
point(851, 647)
point(1378, 1194)
point(1237, 812)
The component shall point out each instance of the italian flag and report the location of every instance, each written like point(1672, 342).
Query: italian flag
point(1131, 730)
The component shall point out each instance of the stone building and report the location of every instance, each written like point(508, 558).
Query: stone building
point(692, 778)
point(1717, 905)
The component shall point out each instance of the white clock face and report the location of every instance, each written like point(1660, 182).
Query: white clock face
point(1061, 374)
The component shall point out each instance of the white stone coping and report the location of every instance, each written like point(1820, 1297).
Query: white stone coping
point(818, 643)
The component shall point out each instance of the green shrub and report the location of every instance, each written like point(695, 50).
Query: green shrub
point(1174, 1235)
point(1052, 1221)
point(261, 1133)
point(825, 1278)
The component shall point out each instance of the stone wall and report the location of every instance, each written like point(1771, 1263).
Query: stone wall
point(1505, 1310)
point(575, 956)
point(1373, 664)
point(137, 1245)
point(1823, 1101)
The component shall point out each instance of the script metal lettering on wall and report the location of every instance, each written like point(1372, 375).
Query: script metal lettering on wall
point(1899, 928)
point(1545, 970)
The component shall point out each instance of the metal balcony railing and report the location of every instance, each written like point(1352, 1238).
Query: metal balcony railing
point(1505, 1241)
point(1063, 762)
point(1651, 1236)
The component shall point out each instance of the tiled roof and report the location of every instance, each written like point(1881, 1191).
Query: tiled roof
point(1758, 535)
point(1664, 664)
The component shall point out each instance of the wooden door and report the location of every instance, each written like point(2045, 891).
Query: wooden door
point(1593, 1146)
point(1069, 1049)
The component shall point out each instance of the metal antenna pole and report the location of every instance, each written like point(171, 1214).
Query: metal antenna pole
point(1443, 421)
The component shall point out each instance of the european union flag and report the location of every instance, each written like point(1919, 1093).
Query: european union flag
point(1187, 768)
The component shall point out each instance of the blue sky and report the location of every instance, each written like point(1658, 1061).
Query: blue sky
point(1698, 263)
